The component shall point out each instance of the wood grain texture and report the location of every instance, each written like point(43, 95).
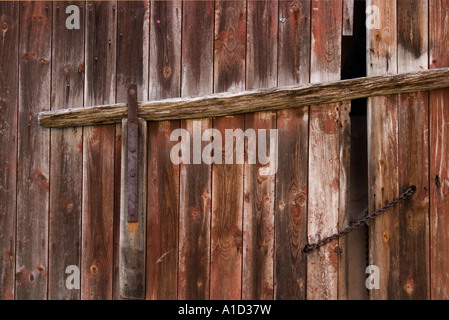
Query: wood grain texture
point(163, 178)
point(324, 153)
point(294, 42)
point(291, 177)
point(383, 174)
point(9, 21)
point(133, 234)
point(195, 180)
point(66, 155)
point(414, 276)
point(258, 208)
point(226, 104)
point(291, 205)
point(344, 201)
point(117, 204)
point(33, 151)
point(98, 168)
point(162, 238)
point(132, 67)
point(439, 177)
point(227, 180)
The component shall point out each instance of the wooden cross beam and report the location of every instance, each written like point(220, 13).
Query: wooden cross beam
point(225, 104)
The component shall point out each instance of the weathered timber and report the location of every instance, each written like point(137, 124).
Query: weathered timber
point(195, 184)
point(9, 61)
point(413, 147)
point(66, 157)
point(132, 67)
point(33, 151)
point(382, 123)
point(439, 146)
point(291, 178)
point(227, 180)
point(324, 153)
point(97, 262)
point(259, 189)
point(163, 175)
point(348, 17)
point(225, 104)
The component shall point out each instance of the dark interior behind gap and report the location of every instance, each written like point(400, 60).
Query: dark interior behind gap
point(354, 66)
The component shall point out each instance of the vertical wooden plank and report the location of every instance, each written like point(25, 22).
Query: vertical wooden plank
point(66, 154)
point(439, 175)
point(258, 219)
point(348, 17)
point(33, 154)
point(413, 153)
point(132, 67)
point(343, 205)
point(294, 42)
point(324, 153)
point(163, 178)
point(162, 241)
point(9, 22)
point(132, 48)
point(383, 172)
point(227, 189)
point(98, 165)
point(117, 206)
point(132, 234)
point(195, 180)
point(291, 177)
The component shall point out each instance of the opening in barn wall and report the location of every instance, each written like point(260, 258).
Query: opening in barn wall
point(354, 66)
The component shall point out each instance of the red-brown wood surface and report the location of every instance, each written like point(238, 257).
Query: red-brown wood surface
point(132, 67)
point(9, 22)
point(259, 188)
point(227, 180)
point(98, 168)
point(324, 153)
point(383, 170)
point(220, 231)
point(439, 175)
point(291, 177)
point(195, 179)
point(66, 159)
point(33, 151)
point(413, 281)
point(163, 175)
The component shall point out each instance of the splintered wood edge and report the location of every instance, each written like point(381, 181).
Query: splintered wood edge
point(225, 104)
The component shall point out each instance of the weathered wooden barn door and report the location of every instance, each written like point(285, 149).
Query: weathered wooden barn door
point(406, 147)
point(216, 230)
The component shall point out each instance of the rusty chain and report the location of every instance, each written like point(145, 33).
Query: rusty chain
point(357, 224)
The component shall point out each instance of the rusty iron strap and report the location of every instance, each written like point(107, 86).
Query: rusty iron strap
point(357, 224)
point(133, 142)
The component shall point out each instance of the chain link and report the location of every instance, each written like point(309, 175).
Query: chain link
point(357, 224)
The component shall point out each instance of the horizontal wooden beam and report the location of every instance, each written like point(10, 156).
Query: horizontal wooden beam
point(226, 104)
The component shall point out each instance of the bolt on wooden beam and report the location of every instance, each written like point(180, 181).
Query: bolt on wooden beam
point(225, 104)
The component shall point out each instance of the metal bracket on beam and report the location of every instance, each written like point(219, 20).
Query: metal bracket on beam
point(133, 144)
